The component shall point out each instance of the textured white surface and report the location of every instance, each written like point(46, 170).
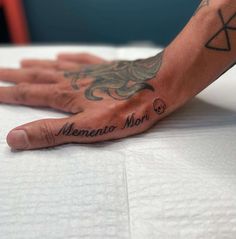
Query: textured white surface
point(176, 181)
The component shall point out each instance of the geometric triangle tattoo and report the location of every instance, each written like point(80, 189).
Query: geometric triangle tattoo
point(224, 44)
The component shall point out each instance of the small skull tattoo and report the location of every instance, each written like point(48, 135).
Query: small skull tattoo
point(159, 106)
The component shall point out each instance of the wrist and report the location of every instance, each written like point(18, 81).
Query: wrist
point(202, 52)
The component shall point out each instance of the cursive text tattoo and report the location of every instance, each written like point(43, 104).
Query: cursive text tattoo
point(159, 106)
point(221, 41)
point(133, 121)
point(119, 80)
point(203, 3)
point(70, 130)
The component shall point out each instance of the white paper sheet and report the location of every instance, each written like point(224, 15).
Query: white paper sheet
point(176, 181)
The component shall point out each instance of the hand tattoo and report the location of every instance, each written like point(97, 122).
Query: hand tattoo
point(70, 130)
point(214, 42)
point(159, 106)
point(120, 80)
point(203, 3)
point(131, 121)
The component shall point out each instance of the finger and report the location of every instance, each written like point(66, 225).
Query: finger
point(51, 132)
point(28, 76)
point(40, 96)
point(38, 134)
point(82, 58)
point(50, 64)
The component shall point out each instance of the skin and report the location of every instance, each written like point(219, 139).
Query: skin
point(111, 100)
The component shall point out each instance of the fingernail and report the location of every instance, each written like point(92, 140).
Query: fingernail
point(18, 139)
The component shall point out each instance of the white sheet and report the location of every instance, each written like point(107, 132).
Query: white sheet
point(176, 181)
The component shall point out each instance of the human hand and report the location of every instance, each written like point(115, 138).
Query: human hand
point(106, 101)
point(111, 100)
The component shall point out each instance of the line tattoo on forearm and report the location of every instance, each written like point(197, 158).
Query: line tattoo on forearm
point(119, 80)
point(204, 3)
point(221, 41)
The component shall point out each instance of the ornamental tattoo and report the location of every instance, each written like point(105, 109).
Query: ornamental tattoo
point(159, 106)
point(221, 41)
point(119, 80)
point(203, 3)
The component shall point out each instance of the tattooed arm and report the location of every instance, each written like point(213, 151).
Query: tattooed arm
point(208, 42)
point(110, 100)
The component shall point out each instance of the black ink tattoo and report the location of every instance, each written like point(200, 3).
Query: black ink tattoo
point(223, 33)
point(131, 121)
point(159, 106)
point(203, 3)
point(119, 80)
point(70, 130)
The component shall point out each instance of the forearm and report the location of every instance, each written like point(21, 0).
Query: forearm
point(203, 50)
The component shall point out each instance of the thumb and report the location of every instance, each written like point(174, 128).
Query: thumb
point(37, 134)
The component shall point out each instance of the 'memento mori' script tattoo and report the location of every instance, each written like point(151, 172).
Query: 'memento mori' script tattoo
point(70, 130)
point(221, 41)
point(119, 80)
point(203, 3)
point(133, 121)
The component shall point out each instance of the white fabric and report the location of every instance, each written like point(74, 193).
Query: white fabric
point(176, 181)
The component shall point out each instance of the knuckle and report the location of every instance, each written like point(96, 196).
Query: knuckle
point(21, 93)
point(60, 97)
point(46, 134)
point(65, 100)
point(34, 75)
